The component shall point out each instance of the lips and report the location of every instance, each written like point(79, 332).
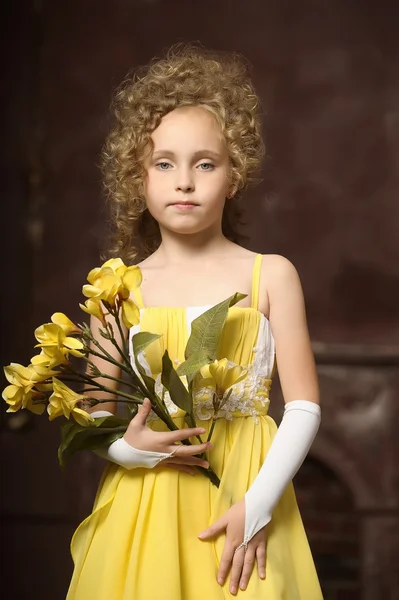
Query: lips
point(182, 203)
point(184, 206)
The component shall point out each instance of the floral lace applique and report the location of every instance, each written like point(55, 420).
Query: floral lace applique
point(247, 397)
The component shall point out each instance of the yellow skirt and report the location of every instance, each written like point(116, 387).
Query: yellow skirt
point(140, 542)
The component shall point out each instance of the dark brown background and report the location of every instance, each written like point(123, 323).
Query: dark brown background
point(328, 74)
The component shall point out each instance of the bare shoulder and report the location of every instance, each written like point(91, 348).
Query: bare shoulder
point(278, 271)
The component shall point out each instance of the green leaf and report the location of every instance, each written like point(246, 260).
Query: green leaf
point(175, 386)
point(193, 364)
point(207, 328)
point(140, 342)
point(75, 437)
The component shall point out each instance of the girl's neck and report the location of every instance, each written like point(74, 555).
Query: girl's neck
point(180, 248)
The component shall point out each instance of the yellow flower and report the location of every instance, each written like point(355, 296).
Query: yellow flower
point(66, 324)
point(220, 377)
point(63, 401)
point(111, 282)
point(20, 393)
point(56, 344)
point(104, 285)
point(27, 377)
point(12, 395)
point(52, 357)
point(40, 360)
point(93, 307)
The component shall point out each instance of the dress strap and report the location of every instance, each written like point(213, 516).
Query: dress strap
point(256, 281)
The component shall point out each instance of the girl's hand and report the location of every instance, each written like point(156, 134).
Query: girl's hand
point(240, 562)
point(142, 437)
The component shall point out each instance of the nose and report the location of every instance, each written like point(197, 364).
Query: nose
point(185, 180)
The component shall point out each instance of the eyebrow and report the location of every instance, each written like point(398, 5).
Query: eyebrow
point(196, 155)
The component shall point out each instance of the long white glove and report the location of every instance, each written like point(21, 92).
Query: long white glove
point(125, 455)
point(287, 452)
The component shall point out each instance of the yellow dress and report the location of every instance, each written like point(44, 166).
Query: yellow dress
point(140, 542)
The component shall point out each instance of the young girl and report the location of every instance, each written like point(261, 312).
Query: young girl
point(186, 142)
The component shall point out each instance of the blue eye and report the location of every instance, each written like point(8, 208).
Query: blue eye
point(163, 166)
point(206, 166)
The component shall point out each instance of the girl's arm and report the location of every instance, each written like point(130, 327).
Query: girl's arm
point(298, 379)
point(244, 522)
point(104, 366)
point(295, 360)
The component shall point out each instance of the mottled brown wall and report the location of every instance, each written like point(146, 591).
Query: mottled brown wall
point(328, 76)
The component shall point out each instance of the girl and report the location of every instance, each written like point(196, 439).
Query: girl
point(186, 142)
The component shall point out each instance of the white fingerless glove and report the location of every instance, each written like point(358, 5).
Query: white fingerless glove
point(287, 452)
point(123, 454)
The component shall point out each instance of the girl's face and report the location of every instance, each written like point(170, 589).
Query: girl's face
point(188, 172)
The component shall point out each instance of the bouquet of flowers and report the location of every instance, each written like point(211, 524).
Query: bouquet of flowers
point(42, 386)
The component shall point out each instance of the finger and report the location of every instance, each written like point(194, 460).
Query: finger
point(215, 529)
point(249, 561)
point(225, 562)
point(183, 434)
point(261, 559)
point(141, 417)
point(236, 570)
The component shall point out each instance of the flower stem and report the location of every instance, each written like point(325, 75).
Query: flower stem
point(125, 366)
point(102, 387)
point(211, 475)
point(106, 356)
point(117, 379)
point(104, 400)
point(124, 351)
point(211, 429)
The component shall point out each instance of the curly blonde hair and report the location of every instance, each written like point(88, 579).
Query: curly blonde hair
point(187, 76)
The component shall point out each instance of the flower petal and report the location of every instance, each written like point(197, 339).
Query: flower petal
point(67, 325)
point(81, 416)
point(93, 274)
point(40, 359)
point(91, 291)
point(49, 334)
point(36, 408)
point(113, 263)
point(40, 372)
point(233, 376)
point(93, 307)
point(17, 374)
point(12, 394)
point(72, 344)
point(130, 313)
point(132, 278)
point(205, 372)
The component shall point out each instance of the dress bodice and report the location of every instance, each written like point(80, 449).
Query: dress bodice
point(246, 340)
